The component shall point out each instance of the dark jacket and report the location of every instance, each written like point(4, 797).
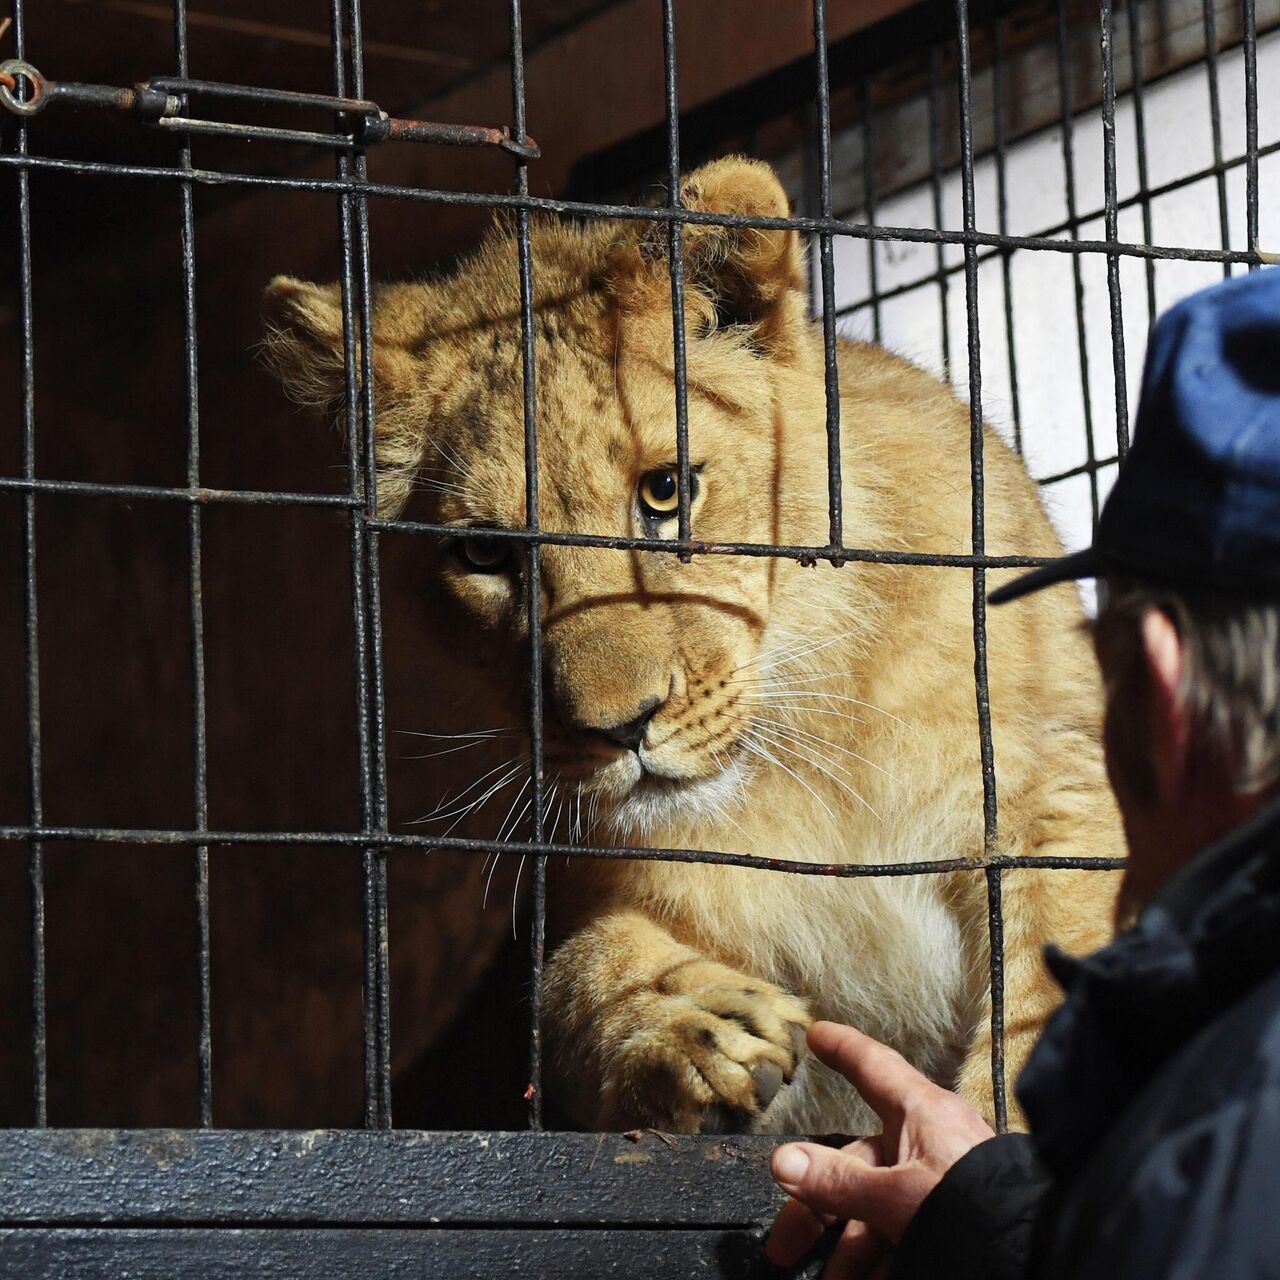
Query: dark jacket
point(1153, 1100)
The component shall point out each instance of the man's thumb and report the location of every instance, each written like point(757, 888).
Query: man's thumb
point(838, 1183)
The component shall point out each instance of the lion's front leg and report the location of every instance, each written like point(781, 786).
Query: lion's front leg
point(647, 1033)
point(1072, 909)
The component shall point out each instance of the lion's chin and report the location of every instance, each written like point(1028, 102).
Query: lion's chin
point(641, 801)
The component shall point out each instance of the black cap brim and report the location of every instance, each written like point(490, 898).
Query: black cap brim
point(1081, 564)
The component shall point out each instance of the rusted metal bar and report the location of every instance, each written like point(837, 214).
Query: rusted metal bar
point(24, 91)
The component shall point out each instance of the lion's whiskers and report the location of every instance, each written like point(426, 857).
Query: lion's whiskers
point(785, 653)
point(425, 484)
point(751, 743)
point(500, 837)
point(782, 737)
point(820, 741)
point(442, 811)
point(799, 750)
point(794, 686)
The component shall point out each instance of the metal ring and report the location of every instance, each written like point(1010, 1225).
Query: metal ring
point(21, 70)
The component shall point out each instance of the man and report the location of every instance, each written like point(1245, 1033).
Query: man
point(1153, 1097)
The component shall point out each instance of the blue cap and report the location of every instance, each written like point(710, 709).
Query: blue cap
point(1197, 501)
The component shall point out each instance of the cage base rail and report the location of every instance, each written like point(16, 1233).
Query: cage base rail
point(62, 1178)
point(316, 1253)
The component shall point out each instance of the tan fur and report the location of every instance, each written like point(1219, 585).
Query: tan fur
point(675, 994)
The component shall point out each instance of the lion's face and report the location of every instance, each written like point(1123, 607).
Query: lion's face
point(651, 666)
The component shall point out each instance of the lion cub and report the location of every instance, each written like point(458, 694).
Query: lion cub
point(736, 702)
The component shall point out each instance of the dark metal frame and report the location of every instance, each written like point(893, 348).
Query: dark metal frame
point(69, 1199)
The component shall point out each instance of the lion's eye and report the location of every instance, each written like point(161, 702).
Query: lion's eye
point(483, 555)
point(660, 492)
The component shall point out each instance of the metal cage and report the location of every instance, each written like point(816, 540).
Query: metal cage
point(336, 1203)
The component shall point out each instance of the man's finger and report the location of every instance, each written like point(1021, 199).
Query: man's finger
point(857, 1255)
point(795, 1231)
point(884, 1078)
point(838, 1183)
point(869, 1150)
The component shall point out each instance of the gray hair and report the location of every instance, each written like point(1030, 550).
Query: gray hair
point(1230, 678)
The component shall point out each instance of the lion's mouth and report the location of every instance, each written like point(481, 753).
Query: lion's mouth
point(659, 784)
point(650, 799)
point(639, 792)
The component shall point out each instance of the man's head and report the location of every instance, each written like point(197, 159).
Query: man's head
point(1192, 733)
point(1187, 554)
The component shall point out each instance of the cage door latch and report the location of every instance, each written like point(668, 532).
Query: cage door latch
point(162, 103)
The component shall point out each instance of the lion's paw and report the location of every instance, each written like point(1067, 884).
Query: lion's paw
point(705, 1052)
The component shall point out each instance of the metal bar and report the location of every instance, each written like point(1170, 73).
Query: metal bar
point(869, 201)
point(675, 256)
point(1251, 129)
point(381, 128)
point(1066, 109)
point(195, 578)
point(1215, 121)
point(24, 91)
point(461, 844)
point(377, 923)
point(608, 542)
point(990, 811)
point(460, 135)
point(377, 860)
point(1000, 144)
point(533, 604)
point(831, 374)
point(995, 942)
point(196, 496)
point(373, 125)
point(935, 185)
point(359, 590)
point(257, 94)
point(1081, 470)
point(1137, 91)
point(254, 132)
point(807, 556)
point(161, 102)
point(31, 629)
point(632, 213)
point(1119, 367)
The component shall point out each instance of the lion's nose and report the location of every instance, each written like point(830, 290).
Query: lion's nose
point(631, 734)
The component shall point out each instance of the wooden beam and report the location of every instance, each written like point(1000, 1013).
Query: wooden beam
point(602, 81)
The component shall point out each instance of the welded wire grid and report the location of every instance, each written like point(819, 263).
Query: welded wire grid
point(353, 191)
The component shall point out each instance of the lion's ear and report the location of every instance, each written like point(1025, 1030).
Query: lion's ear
point(746, 270)
point(304, 340)
point(738, 276)
point(304, 346)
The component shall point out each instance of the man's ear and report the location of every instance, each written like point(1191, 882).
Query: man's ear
point(1166, 705)
point(736, 277)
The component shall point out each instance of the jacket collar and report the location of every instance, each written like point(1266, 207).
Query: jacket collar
point(1204, 941)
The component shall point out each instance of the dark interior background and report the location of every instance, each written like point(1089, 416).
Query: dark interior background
point(115, 664)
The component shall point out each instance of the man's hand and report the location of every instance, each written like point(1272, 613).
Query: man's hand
point(876, 1184)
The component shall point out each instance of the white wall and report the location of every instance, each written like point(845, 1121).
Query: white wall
point(1050, 384)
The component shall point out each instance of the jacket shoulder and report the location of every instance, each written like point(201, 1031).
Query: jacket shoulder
point(1187, 1181)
